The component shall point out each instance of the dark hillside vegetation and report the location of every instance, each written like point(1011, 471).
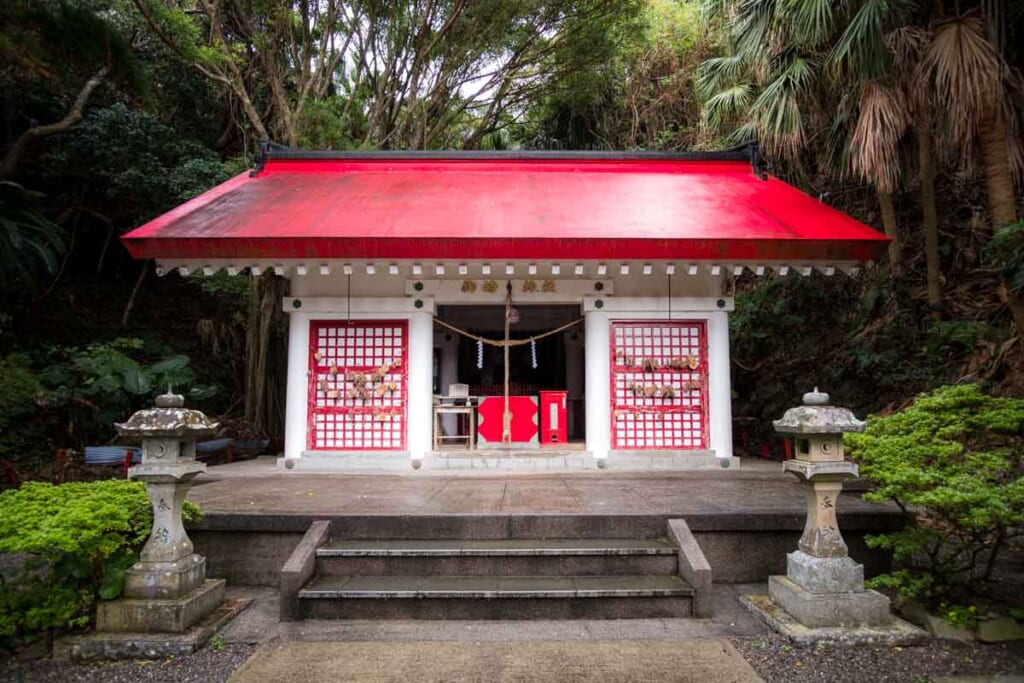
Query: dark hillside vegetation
point(114, 111)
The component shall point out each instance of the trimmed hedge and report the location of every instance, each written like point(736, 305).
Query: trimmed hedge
point(64, 547)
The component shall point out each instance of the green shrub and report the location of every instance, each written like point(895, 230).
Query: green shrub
point(71, 544)
point(954, 462)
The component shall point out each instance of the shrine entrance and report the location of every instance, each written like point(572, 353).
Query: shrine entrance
point(473, 371)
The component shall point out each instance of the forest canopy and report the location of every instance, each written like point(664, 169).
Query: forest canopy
point(905, 114)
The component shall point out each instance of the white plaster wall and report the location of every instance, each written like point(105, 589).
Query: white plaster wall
point(598, 323)
point(420, 361)
point(596, 371)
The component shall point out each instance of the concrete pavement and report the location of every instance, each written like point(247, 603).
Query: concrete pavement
point(571, 650)
point(706, 660)
point(260, 624)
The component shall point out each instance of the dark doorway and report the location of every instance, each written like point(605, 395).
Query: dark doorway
point(559, 357)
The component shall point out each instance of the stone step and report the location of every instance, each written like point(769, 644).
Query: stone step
point(497, 557)
point(492, 597)
point(503, 526)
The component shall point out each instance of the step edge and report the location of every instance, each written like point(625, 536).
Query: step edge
point(320, 594)
point(328, 552)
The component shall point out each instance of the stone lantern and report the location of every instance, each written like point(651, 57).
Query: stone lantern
point(166, 590)
point(823, 586)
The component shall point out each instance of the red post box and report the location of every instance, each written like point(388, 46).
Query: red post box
point(553, 416)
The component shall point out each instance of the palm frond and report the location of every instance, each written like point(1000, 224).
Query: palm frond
point(861, 49)
point(779, 118)
point(967, 73)
point(29, 242)
point(874, 147)
point(907, 45)
point(753, 26)
point(835, 151)
point(718, 73)
point(728, 105)
point(811, 22)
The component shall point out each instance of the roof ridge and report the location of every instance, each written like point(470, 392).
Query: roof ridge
point(747, 151)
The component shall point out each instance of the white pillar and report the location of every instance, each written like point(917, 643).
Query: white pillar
point(598, 409)
point(421, 394)
point(720, 389)
point(297, 391)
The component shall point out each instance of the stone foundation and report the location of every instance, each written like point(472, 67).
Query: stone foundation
point(172, 615)
point(820, 610)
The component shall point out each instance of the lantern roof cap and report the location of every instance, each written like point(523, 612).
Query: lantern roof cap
point(170, 418)
point(817, 416)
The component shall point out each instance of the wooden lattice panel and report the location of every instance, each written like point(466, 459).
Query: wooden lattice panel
point(357, 385)
point(659, 385)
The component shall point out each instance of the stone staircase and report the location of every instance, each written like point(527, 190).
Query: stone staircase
point(422, 573)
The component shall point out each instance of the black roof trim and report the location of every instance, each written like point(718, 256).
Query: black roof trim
point(745, 152)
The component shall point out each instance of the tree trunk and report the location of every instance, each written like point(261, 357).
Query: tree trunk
point(1002, 201)
point(891, 230)
point(265, 356)
point(931, 222)
point(995, 149)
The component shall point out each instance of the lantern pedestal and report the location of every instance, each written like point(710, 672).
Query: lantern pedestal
point(169, 607)
point(166, 591)
point(822, 596)
point(160, 615)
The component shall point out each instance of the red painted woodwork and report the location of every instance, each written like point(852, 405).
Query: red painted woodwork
point(505, 209)
point(346, 422)
point(524, 419)
point(654, 422)
point(553, 416)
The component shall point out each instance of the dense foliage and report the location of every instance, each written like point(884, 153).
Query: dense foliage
point(113, 111)
point(65, 547)
point(954, 460)
point(72, 396)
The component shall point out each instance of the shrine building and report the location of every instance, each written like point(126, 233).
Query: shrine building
point(460, 309)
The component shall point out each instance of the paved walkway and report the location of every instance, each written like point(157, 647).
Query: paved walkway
point(260, 623)
point(757, 488)
point(452, 650)
point(705, 660)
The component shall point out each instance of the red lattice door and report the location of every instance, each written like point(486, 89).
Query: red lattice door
point(357, 385)
point(659, 385)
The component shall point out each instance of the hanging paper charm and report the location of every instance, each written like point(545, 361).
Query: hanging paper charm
point(479, 354)
point(533, 353)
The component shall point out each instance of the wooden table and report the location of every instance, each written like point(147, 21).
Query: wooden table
point(464, 407)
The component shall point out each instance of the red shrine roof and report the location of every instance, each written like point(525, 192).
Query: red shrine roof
point(539, 205)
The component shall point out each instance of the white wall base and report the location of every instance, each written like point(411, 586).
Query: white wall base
point(372, 462)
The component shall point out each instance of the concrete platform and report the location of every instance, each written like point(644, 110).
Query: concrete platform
point(746, 520)
point(257, 486)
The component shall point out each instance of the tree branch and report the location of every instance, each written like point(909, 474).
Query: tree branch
point(24, 142)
